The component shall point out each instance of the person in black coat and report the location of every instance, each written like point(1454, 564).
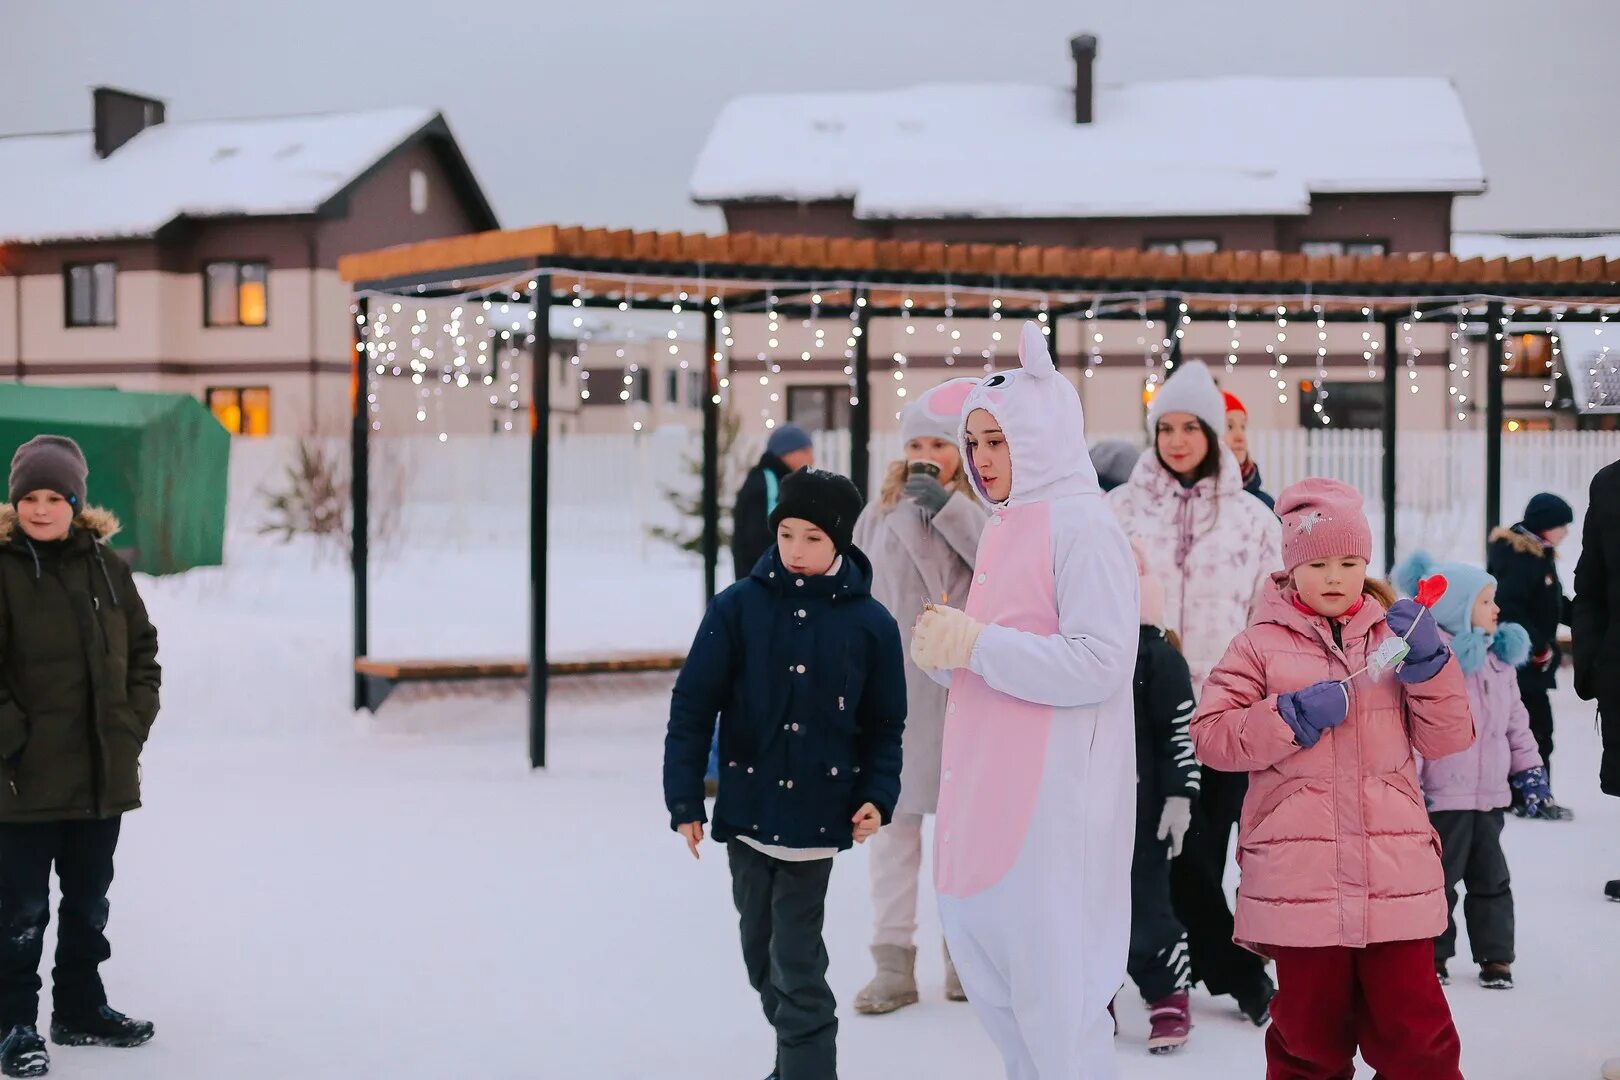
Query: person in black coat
point(788, 449)
point(1167, 780)
point(1523, 558)
point(804, 670)
point(1595, 622)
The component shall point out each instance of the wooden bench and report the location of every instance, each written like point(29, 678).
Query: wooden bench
point(379, 677)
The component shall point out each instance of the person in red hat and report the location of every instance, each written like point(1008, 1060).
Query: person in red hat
point(1237, 440)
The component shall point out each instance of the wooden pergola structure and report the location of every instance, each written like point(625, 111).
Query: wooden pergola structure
point(870, 279)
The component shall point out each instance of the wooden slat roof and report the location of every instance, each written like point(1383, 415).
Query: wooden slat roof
point(832, 259)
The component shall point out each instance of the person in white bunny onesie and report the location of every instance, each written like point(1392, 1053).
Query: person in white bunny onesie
point(1033, 839)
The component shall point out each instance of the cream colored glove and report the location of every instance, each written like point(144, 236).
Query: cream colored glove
point(943, 639)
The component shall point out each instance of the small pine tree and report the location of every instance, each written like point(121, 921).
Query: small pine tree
point(315, 499)
point(688, 498)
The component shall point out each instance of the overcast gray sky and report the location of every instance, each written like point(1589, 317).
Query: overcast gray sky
point(593, 113)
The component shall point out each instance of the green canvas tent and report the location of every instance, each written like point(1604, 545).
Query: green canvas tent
point(158, 461)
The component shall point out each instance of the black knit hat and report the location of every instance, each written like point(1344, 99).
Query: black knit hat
point(50, 463)
point(1546, 512)
point(826, 500)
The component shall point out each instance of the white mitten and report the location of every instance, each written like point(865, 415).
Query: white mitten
point(943, 639)
point(1175, 821)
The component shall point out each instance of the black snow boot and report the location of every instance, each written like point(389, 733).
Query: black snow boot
point(1612, 890)
point(23, 1053)
point(1257, 1006)
point(104, 1027)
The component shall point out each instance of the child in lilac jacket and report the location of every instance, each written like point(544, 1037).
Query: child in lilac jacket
point(1466, 792)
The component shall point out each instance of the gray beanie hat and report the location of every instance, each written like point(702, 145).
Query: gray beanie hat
point(50, 463)
point(1192, 390)
point(787, 438)
point(1114, 459)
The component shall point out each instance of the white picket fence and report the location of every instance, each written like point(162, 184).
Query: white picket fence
point(608, 490)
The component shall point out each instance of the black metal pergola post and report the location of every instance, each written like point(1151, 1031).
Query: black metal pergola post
point(1172, 324)
point(1391, 412)
point(1493, 414)
point(860, 410)
point(539, 501)
point(711, 452)
point(360, 490)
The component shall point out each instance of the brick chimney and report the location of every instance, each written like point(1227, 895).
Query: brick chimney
point(120, 116)
point(1084, 50)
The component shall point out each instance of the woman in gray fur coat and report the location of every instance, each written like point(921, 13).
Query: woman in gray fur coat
point(922, 535)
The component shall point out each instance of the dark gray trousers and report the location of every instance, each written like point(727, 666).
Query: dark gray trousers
point(1157, 962)
point(781, 906)
point(1471, 853)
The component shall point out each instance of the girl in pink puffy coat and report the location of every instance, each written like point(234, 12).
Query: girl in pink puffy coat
point(1341, 881)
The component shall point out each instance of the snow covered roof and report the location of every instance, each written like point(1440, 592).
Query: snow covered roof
point(1550, 246)
point(1592, 359)
point(1217, 146)
point(54, 187)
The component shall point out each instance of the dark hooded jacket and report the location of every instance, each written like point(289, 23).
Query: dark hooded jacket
point(806, 678)
point(1595, 616)
point(79, 675)
point(1529, 593)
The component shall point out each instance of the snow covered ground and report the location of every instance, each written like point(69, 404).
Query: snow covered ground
point(310, 894)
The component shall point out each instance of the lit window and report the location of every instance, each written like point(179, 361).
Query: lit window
point(236, 294)
point(241, 410)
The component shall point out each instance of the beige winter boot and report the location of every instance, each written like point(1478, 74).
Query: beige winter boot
point(895, 984)
point(953, 985)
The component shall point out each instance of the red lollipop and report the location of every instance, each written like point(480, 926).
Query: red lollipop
point(1430, 590)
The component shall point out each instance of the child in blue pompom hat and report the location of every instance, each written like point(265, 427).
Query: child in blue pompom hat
point(1467, 792)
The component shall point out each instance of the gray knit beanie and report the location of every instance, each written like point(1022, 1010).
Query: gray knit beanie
point(50, 463)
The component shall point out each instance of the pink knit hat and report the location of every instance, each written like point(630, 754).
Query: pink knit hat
point(1322, 518)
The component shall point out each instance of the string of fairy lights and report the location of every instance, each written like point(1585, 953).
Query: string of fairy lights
point(480, 343)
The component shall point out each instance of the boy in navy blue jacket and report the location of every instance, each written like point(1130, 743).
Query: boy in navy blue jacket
point(803, 669)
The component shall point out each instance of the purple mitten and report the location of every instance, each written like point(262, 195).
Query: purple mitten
point(1409, 619)
point(1314, 709)
point(1532, 786)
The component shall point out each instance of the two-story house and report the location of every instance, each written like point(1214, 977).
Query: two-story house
point(1318, 164)
point(200, 257)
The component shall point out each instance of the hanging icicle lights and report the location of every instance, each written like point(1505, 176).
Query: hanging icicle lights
point(988, 354)
point(1279, 355)
point(1150, 380)
point(1411, 350)
point(1093, 339)
point(1603, 371)
point(1181, 331)
point(1369, 344)
point(1551, 376)
point(1460, 335)
point(773, 325)
point(1232, 325)
point(1319, 406)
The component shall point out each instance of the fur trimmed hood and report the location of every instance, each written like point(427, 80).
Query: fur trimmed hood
point(100, 523)
point(1521, 541)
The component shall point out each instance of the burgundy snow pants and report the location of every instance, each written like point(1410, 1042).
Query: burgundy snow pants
point(1384, 999)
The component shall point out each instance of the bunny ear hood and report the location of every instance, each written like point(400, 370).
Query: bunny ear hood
point(1039, 412)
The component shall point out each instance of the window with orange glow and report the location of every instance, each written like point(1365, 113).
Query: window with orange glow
point(241, 410)
point(1528, 356)
point(236, 294)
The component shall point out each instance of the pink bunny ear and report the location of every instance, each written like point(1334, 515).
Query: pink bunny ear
point(948, 398)
point(1033, 353)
